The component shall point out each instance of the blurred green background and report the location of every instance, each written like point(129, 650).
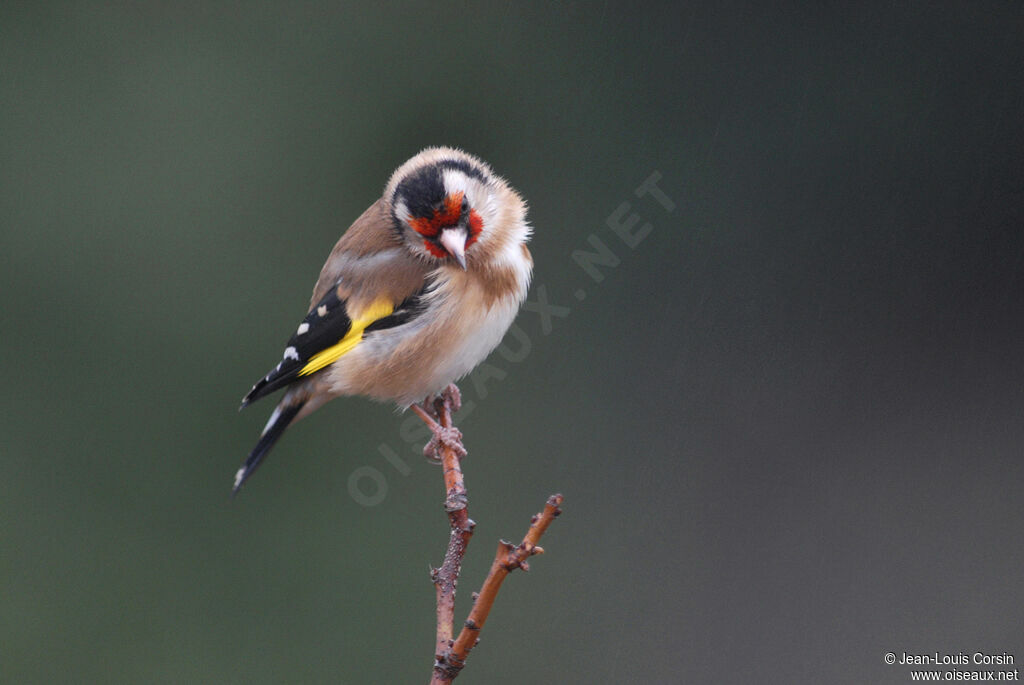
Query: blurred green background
point(787, 423)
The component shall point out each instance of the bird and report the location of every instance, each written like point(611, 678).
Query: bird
point(414, 295)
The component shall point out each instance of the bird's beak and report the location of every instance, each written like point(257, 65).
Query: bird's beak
point(454, 240)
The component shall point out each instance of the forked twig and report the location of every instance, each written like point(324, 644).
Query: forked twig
point(450, 655)
point(507, 559)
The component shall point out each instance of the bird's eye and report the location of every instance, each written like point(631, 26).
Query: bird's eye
point(465, 205)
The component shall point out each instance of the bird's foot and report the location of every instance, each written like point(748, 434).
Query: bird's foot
point(452, 397)
point(436, 412)
point(450, 437)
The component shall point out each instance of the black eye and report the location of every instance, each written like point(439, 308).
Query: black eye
point(465, 205)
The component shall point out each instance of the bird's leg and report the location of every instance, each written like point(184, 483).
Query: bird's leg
point(427, 405)
point(452, 397)
point(447, 435)
point(439, 421)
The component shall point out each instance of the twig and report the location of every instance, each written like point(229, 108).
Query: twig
point(450, 655)
point(447, 443)
point(507, 559)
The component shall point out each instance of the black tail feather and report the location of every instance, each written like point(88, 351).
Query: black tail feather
point(274, 430)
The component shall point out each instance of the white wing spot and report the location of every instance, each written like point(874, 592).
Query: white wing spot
point(291, 353)
point(303, 327)
point(238, 476)
point(322, 310)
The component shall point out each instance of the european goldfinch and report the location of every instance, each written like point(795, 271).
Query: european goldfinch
point(416, 293)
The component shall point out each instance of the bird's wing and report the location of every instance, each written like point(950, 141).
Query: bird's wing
point(370, 282)
point(371, 246)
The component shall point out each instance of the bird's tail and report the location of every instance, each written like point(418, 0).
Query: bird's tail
point(283, 415)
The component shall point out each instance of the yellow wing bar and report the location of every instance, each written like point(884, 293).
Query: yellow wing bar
point(378, 310)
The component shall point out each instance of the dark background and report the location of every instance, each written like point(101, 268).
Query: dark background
point(787, 424)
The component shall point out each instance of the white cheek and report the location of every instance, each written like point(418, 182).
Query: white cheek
point(485, 207)
point(511, 256)
point(402, 212)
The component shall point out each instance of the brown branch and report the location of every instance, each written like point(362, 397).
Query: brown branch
point(446, 445)
point(507, 559)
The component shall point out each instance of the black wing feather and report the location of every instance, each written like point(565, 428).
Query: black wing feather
point(409, 309)
point(270, 435)
point(326, 324)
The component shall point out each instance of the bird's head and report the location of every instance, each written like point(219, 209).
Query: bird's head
point(446, 205)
